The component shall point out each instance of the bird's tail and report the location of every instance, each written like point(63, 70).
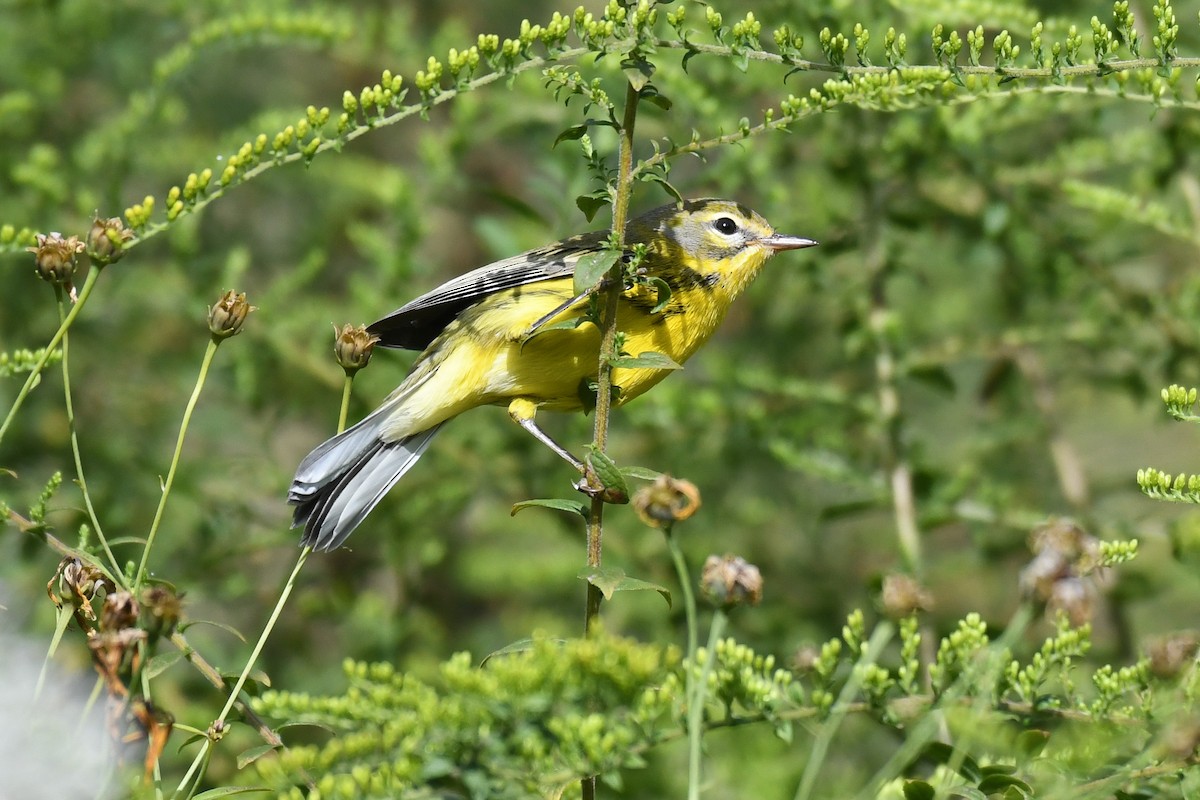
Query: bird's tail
point(339, 482)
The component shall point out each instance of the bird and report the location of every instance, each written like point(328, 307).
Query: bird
point(515, 333)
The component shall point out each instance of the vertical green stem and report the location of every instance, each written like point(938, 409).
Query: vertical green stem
point(685, 585)
point(347, 386)
point(117, 577)
point(697, 699)
point(608, 337)
point(64, 326)
point(595, 524)
point(690, 686)
point(209, 352)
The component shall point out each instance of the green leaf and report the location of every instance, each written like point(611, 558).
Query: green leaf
point(994, 784)
point(306, 724)
point(591, 204)
point(651, 95)
point(591, 269)
point(637, 71)
point(610, 580)
point(248, 757)
point(997, 769)
point(609, 475)
point(1031, 743)
point(195, 737)
point(647, 360)
point(664, 294)
point(227, 628)
point(573, 132)
point(256, 676)
point(934, 375)
point(918, 790)
point(967, 793)
point(942, 753)
point(161, 663)
point(229, 791)
point(668, 187)
point(519, 646)
point(558, 504)
point(640, 473)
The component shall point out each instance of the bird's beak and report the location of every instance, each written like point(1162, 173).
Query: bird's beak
point(777, 242)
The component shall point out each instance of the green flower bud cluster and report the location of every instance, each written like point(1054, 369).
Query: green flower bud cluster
point(318, 28)
point(1125, 25)
point(957, 652)
point(788, 43)
point(1179, 402)
point(746, 33)
point(975, 45)
point(1103, 41)
point(895, 46)
point(946, 47)
point(21, 237)
point(862, 38)
point(834, 46)
point(374, 101)
point(1116, 684)
point(520, 723)
point(20, 361)
point(572, 83)
point(1182, 488)
point(596, 32)
point(1055, 659)
point(1166, 32)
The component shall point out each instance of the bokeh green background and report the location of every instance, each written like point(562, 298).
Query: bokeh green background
point(1026, 311)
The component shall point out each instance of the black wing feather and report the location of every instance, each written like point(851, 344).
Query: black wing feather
point(417, 323)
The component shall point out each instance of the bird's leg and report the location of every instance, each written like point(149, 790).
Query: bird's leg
point(522, 410)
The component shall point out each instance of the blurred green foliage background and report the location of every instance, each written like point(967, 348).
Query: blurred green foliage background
point(1027, 261)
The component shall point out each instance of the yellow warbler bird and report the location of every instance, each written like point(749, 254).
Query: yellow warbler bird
point(494, 336)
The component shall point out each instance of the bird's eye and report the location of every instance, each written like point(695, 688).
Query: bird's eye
point(726, 226)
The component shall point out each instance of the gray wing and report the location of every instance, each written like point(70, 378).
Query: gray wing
point(417, 323)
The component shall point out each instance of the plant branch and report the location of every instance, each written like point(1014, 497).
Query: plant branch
point(118, 578)
point(209, 352)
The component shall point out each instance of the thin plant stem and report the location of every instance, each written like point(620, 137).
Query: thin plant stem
point(116, 576)
point(690, 689)
point(696, 701)
point(209, 352)
point(60, 627)
point(685, 586)
point(608, 337)
point(595, 523)
point(870, 654)
point(347, 386)
point(203, 756)
point(84, 293)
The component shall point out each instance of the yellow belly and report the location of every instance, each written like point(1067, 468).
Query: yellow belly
point(484, 357)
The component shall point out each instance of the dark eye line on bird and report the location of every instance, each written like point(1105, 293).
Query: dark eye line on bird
point(477, 348)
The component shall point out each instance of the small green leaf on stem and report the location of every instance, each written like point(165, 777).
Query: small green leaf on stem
point(227, 628)
point(161, 663)
point(248, 757)
point(590, 269)
point(616, 489)
point(647, 360)
point(556, 503)
point(610, 580)
point(229, 791)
